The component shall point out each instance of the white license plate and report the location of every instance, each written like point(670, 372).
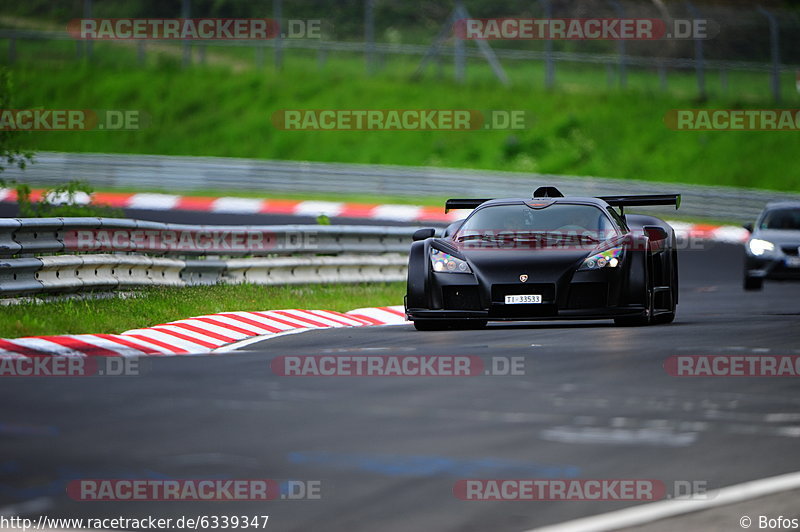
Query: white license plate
point(526, 299)
point(793, 262)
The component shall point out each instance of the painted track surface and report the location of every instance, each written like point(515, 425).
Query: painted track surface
point(595, 402)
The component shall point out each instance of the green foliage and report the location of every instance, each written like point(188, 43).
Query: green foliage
point(10, 152)
point(582, 128)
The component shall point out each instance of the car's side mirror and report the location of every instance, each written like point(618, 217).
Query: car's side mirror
point(749, 227)
point(655, 233)
point(422, 234)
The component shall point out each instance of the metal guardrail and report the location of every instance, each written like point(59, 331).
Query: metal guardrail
point(26, 236)
point(176, 174)
point(85, 273)
point(105, 254)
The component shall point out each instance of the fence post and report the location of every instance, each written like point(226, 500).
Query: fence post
point(774, 53)
point(549, 66)
point(87, 13)
point(259, 55)
point(458, 49)
point(277, 14)
point(662, 76)
point(698, 55)
point(623, 67)
point(369, 35)
point(140, 52)
point(186, 12)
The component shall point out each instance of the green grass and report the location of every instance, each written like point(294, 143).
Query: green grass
point(584, 127)
point(159, 305)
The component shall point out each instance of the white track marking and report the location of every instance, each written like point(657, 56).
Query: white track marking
point(157, 202)
point(647, 513)
point(237, 205)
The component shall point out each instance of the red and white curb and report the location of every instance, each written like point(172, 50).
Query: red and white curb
point(202, 334)
point(232, 205)
point(389, 212)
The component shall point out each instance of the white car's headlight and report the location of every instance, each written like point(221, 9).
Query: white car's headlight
point(759, 247)
point(609, 258)
point(445, 263)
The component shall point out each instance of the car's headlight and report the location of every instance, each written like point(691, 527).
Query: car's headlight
point(609, 258)
point(759, 247)
point(445, 263)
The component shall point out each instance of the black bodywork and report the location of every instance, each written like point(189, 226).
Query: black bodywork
point(773, 249)
point(641, 289)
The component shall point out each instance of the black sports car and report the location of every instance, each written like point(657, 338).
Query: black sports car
point(773, 249)
point(549, 257)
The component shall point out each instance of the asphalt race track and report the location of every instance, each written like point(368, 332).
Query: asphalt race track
point(594, 402)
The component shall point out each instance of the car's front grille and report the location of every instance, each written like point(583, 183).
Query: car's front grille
point(792, 251)
point(546, 290)
point(588, 295)
point(461, 298)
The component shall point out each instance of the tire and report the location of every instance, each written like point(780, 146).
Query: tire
point(646, 317)
point(431, 325)
point(753, 283)
point(669, 317)
point(663, 319)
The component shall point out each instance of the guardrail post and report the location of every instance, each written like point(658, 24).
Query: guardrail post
point(623, 67)
point(774, 37)
point(699, 64)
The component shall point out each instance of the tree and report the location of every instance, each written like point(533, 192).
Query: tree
point(10, 152)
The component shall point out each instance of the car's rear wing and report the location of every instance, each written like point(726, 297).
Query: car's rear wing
point(463, 203)
point(642, 200)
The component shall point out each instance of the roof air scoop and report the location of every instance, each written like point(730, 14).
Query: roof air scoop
point(547, 192)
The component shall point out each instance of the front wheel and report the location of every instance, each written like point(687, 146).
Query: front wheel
point(663, 319)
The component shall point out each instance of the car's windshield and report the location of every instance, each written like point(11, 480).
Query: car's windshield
point(560, 220)
point(781, 219)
